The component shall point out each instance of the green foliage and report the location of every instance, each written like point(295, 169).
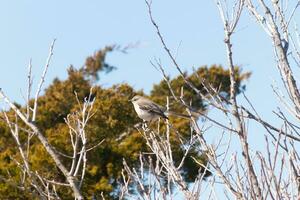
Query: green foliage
point(95, 63)
point(114, 116)
point(216, 76)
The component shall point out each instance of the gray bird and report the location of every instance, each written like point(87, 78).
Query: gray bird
point(146, 109)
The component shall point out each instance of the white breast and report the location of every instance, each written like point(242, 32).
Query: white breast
point(144, 114)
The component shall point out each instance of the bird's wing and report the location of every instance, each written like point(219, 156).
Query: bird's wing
point(154, 109)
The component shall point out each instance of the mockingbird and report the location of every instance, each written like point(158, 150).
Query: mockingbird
point(146, 109)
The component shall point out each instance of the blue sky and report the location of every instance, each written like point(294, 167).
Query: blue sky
point(194, 28)
point(191, 28)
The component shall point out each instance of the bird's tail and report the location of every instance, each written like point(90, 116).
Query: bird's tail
point(168, 113)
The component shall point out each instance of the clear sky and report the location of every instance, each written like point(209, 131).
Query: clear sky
point(82, 27)
point(191, 28)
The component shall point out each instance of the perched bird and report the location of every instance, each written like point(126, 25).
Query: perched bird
point(147, 110)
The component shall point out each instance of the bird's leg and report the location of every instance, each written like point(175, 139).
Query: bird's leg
point(144, 126)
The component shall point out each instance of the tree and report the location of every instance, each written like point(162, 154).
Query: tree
point(158, 160)
point(242, 171)
point(111, 124)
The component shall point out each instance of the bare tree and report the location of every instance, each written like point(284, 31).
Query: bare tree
point(76, 122)
point(238, 169)
point(246, 172)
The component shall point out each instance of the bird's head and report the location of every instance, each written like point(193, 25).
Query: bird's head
point(136, 98)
